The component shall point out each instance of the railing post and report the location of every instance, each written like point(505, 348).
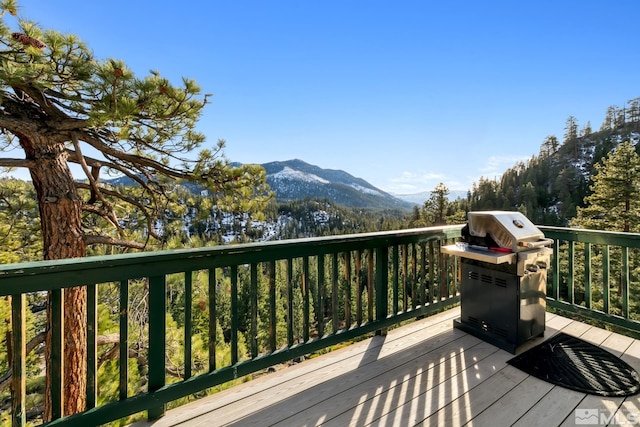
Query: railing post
point(382, 286)
point(18, 360)
point(157, 340)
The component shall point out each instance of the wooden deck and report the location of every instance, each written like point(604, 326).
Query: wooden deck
point(426, 373)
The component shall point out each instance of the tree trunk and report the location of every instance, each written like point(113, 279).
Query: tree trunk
point(60, 217)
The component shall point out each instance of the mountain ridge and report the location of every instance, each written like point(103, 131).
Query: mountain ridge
point(296, 179)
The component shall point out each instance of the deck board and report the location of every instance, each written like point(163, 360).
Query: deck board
point(425, 373)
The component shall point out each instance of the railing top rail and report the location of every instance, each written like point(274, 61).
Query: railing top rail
point(47, 275)
point(600, 237)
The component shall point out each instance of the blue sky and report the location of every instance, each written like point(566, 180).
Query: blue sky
point(403, 94)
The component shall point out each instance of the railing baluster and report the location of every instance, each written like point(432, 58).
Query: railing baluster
point(382, 286)
point(442, 272)
point(290, 324)
point(305, 298)
point(254, 310)
point(92, 346)
point(555, 271)
point(359, 286)
point(423, 286)
point(234, 315)
point(157, 340)
point(57, 349)
point(414, 276)
point(123, 317)
point(321, 296)
point(272, 307)
point(347, 293)
point(334, 292)
point(433, 293)
point(572, 275)
point(212, 319)
point(188, 322)
point(625, 282)
point(605, 279)
point(18, 359)
point(370, 285)
point(405, 277)
point(396, 277)
point(587, 275)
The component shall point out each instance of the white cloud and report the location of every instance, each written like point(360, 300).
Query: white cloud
point(497, 165)
point(414, 182)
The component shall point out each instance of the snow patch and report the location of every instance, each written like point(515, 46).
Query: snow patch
point(365, 190)
point(292, 174)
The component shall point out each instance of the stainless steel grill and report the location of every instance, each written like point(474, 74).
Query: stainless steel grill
point(503, 269)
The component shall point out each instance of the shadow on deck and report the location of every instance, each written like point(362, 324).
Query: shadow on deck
point(425, 373)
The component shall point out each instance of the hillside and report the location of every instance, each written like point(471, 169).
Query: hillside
point(553, 184)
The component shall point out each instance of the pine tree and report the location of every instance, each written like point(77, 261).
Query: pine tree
point(609, 119)
point(633, 111)
point(435, 209)
point(58, 103)
point(571, 134)
point(549, 146)
point(614, 202)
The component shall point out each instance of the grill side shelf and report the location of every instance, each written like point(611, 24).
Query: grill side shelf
point(481, 255)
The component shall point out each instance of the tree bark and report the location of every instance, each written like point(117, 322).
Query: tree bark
point(60, 217)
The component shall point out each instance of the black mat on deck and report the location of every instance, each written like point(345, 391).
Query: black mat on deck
point(570, 362)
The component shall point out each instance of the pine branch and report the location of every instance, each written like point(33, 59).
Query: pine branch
point(17, 163)
point(92, 239)
point(95, 190)
point(5, 380)
point(140, 161)
point(124, 199)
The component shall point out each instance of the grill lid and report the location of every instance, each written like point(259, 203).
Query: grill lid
point(510, 230)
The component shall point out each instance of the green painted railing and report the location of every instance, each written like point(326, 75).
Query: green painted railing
point(344, 286)
point(596, 274)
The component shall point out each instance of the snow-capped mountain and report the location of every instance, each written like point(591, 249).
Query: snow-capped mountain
point(296, 179)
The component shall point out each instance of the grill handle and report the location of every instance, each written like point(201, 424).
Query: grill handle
point(539, 244)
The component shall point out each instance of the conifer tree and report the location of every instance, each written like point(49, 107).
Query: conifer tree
point(614, 202)
point(59, 105)
point(571, 134)
point(435, 208)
